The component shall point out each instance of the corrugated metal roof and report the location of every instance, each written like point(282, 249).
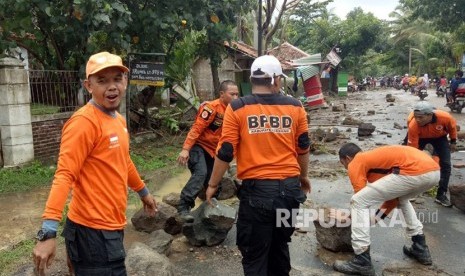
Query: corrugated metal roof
point(307, 72)
point(309, 60)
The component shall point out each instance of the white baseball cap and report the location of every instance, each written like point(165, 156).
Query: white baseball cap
point(423, 108)
point(266, 67)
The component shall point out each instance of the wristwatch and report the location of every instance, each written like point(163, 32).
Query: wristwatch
point(45, 235)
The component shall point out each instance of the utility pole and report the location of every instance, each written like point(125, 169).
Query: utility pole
point(409, 60)
point(259, 29)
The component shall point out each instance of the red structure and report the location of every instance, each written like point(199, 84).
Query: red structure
point(313, 93)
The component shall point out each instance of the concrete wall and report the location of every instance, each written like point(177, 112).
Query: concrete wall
point(15, 115)
point(203, 77)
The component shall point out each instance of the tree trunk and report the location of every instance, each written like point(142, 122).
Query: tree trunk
point(334, 73)
point(216, 79)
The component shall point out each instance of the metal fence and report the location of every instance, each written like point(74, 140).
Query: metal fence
point(56, 91)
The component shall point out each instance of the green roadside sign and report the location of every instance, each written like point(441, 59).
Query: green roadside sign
point(342, 78)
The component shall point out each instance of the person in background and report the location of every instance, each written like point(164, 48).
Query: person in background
point(431, 126)
point(412, 83)
point(395, 174)
point(326, 73)
point(442, 85)
point(198, 150)
point(426, 80)
point(421, 84)
point(268, 133)
point(457, 85)
point(405, 81)
point(94, 163)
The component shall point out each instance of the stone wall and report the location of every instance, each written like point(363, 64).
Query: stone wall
point(46, 132)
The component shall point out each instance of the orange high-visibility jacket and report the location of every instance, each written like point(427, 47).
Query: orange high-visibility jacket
point(442, 124)
point(264, 131)
point(94, 162)
point(206, 130)
point(372, 165)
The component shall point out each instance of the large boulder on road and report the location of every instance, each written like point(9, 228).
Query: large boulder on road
point(333, 233)
point(211, 224)
point(142, 260)
point(457, 196)
point(366, 129)
point(166, 219)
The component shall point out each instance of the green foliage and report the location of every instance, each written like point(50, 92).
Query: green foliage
point(9, 258)
point(171, 123)
point(312, 28)
point(41, 109)
point(150, 160)
point(447, 15)
point(25, 178)
point(433, 191)
point(183, 57)
point(62, 34)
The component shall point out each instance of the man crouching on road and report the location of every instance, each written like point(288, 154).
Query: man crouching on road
point(396, 174)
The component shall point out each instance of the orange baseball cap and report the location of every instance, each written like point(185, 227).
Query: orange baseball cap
point(103, 60)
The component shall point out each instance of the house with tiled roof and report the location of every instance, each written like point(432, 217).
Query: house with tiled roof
point(236, 66)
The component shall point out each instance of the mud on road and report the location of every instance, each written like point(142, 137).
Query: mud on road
point(444, 227)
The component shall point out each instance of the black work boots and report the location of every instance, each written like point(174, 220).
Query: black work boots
point(185, 214)
point(359, 265)
point(419, 250)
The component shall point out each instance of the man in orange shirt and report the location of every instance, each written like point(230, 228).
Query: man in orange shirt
point(199, 147)
point(94, 162)
point(431, 126)
point(396, 174)
point(268, 133)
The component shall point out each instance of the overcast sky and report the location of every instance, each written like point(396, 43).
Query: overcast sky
point(380, 8)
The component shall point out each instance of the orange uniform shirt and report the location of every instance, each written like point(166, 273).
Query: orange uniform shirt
point(206, 130)
point(372, 165)
point(94, 162)
point(264, 131)
point(442, 124)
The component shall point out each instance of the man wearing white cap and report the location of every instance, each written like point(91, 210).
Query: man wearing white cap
point(268, 134)
point(94, 163)
point(431, 126)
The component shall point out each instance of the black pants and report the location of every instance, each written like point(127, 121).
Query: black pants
point(442, 150)
point(263, 244)
point(201, 166)
point(94, 252)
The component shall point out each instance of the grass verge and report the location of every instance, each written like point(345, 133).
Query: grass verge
point(25, 178)
point(9, 258)
point(149, 157)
